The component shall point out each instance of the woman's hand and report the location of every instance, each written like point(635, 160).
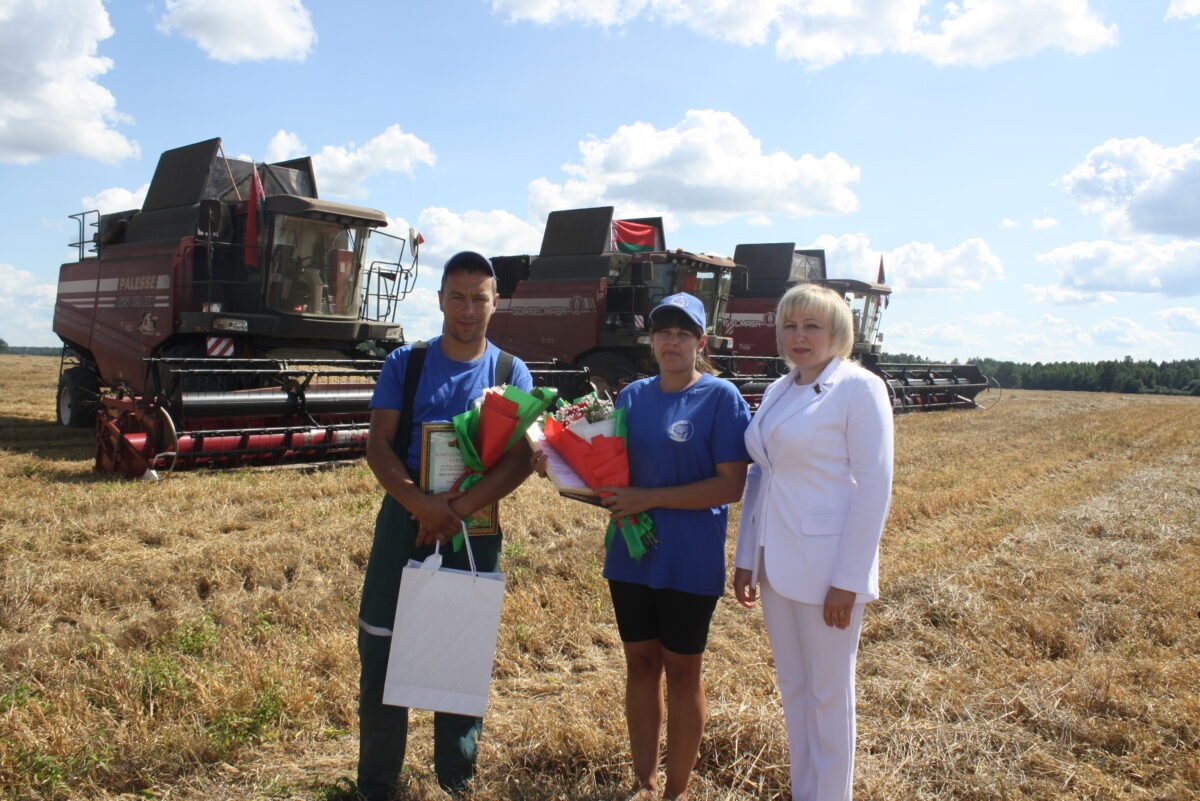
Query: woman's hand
point(745, 592)
point(839, 606)
point(538, 462)
point(624, 502)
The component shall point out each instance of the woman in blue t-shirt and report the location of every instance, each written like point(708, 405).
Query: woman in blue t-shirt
point(688, 461)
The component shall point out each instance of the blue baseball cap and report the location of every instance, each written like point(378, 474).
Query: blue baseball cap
point(469, 261)
point(688, 304)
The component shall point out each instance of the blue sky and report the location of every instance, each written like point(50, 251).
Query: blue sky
point(1029, 170)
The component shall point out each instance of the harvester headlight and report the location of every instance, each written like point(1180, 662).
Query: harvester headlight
point(228, 324)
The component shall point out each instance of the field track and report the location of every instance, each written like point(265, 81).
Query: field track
point(1038, 638)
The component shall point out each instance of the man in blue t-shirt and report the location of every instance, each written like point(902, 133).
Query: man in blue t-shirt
point(458, 366)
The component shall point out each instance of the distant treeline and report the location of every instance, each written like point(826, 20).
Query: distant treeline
point(1126, 375)
point(28, 351)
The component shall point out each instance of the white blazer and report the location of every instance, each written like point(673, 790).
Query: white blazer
point(818, 493)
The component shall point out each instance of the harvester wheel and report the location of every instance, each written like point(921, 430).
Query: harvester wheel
point(78, 397)
point(607, 370)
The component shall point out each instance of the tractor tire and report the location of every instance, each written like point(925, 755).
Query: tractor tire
point(78, 397)
point(608, 369)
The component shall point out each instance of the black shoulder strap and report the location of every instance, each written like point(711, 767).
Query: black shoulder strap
point(504, 367)
point(412, 374)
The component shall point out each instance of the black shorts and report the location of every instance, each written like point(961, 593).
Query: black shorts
point(678, 620)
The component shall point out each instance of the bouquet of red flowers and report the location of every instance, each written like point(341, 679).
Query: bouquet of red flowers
point(590, 435)
point(487, 430)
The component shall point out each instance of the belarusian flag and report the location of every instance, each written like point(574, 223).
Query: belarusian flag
point(632, 237)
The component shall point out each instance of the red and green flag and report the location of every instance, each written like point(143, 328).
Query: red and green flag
point(633, 237)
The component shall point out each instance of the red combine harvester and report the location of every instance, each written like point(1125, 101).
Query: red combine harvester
point(226, 321)
point(585, 299)
point(772, 268)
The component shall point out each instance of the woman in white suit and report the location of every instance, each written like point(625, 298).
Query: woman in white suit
point(813, 512)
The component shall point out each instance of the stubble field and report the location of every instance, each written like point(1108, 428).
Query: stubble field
point(1038, 636)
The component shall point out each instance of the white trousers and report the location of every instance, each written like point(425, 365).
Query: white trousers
point(814, 665)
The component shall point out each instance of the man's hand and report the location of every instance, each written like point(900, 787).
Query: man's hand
point(436, 520)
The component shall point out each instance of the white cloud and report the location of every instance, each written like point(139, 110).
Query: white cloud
point(1122, 332)
point(1065, 296)
point(939, 341)
point(1182, 9)
point(25, 308)
point(116, 199)
point(914, 266)
point(1060, 332)
point(492, 233)
point(50, 101)
point(852, 256)
point(708, 169)
point(1027, 340)
point(1182, 319)
point(984, 32)
point(283, 146)
point(420, 314)
point(233, 31)
point(1172, 268)
point(1140, 186)
point(824, 32)
point(1044, 224)
point(920, 265)
point(1009, 223)
point(343, 170)
point(995, 320)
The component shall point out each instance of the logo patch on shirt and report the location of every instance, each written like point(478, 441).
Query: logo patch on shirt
point(680, 430)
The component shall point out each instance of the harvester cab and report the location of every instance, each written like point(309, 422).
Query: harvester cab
point(227, 320)
point(585, 299)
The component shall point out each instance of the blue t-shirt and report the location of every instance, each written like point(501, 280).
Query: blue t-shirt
point(678, 438)
point(446, 388)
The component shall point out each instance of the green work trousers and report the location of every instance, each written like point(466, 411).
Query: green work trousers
point(383, 730)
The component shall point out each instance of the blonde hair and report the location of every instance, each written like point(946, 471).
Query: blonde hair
point(821, 302)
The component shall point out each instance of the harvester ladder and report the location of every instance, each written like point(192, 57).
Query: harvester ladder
point(387, 284)
point(86, 245)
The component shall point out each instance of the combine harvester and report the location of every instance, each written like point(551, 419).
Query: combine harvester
point(226, 322)
point(772, 268)
point(585, 299)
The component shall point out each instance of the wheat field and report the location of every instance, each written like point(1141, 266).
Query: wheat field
point(193, 638)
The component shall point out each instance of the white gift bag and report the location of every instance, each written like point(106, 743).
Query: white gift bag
point(444, 637)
